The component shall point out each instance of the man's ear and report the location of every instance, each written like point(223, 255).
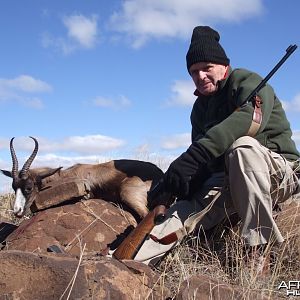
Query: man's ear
point(6, 173)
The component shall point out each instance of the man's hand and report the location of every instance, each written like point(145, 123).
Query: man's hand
point(179, 175)
point(184, 168)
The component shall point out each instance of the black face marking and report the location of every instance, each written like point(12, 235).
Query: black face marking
point(27, 188)
point(25, 185)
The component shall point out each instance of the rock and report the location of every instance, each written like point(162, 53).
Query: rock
point(94, 222)
point(60, 191)
point(6, 228)
point(25, 275)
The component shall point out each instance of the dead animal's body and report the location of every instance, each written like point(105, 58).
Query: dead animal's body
point(125, 181)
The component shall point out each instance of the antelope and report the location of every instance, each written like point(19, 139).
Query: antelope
point(126, 181)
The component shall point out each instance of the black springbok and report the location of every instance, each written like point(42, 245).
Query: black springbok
point(125, 181)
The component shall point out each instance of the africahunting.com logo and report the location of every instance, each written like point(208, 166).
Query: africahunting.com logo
point(292, 287)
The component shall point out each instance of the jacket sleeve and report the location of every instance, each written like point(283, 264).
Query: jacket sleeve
point(195, 118)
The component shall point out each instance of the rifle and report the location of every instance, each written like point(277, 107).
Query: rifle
point(256, 100)
point(132, 243)
point(290, 49)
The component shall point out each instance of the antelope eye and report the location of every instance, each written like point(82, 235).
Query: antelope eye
point(28, 189)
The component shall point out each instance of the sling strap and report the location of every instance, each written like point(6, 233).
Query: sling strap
point(256, 117)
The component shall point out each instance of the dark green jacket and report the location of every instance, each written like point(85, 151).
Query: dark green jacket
point(216, 122)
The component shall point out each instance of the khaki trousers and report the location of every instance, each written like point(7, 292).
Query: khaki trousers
point(256, 179)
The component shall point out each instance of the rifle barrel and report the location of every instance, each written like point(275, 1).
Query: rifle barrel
point(289, 51)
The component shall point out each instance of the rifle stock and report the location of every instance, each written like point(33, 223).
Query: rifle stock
point(132, 243)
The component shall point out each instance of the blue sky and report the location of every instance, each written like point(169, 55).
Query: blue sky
point(95, 80)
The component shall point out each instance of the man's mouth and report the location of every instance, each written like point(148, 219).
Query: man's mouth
point(205, 84)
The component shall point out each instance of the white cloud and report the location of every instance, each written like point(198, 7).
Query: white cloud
point(82, 33)
point(182, 93)
point(120, 102)
point(176, 141)
point(292, 106)
point(54, 160)
point(141, 20)
point(89, 144)
point(25, 83)
point(82, 29)
point(19, 90)
point(296, 136)
point(57, 43)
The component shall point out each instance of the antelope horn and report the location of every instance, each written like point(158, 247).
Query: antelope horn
point(29, 161)
point(14, 171)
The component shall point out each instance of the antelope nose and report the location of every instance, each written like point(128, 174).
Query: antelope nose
point(18, 213)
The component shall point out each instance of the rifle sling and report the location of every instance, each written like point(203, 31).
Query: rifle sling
point(167, 239)
point(256, 117)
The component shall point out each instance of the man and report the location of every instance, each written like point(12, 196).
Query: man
point(248, 156)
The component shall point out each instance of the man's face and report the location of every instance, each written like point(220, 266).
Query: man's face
point(206, 76)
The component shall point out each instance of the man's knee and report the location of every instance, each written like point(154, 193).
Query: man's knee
point(244, 148)
point(244, 141)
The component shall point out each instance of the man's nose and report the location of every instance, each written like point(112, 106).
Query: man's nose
point(201, 75)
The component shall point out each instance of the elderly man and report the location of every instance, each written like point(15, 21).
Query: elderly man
point(253, 167)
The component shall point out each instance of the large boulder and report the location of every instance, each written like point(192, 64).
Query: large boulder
point(25, 275)
point(94, 222)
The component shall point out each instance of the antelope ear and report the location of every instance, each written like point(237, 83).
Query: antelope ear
point(6, 173)
point(48, 172)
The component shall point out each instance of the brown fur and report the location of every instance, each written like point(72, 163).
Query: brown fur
point(125, 181)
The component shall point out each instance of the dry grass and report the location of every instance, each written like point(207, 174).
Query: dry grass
point(5, 206)
point(71, 283)
point(6, 211)
point(222, 258)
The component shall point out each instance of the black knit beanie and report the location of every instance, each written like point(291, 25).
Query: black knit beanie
point(205, 47)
